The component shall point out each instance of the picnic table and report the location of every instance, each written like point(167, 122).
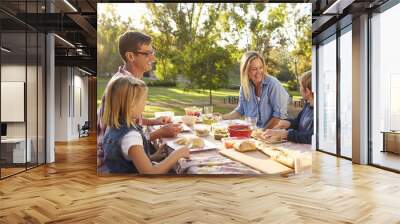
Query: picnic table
point(225, 161)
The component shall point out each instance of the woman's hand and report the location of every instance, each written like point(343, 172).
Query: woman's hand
point(275, 133)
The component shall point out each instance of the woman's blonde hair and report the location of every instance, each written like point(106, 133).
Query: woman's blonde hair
point(305, 80)
point(247, 58)
point(122, 95)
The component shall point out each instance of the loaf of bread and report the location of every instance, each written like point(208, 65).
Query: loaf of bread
point(286, 159)
point(245, 146)
point(273, 153)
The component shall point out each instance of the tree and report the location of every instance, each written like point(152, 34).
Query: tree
point(173, 26)
point(110, 27)
point(209, 66)
point(301, 54)
point(186, 36)
point(203, 43)
point(279, 56)
point(266, 33)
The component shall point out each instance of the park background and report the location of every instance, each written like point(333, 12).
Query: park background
point(199, 46)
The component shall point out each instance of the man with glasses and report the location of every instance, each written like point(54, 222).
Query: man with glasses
point(138, 56)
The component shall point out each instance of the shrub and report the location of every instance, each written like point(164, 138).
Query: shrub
point(292, 85)
point(233, 87)
point(164, 83)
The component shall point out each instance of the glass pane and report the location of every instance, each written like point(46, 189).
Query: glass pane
point(346, 94)
point(386, 89)
point(41, 98)
point(31, 98)
point(13, 85)
point(327, 96)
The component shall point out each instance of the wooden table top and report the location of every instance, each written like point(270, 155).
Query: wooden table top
point(213, 162)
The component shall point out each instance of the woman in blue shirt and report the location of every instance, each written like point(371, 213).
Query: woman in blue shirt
point(261, 96)
point(300, 129)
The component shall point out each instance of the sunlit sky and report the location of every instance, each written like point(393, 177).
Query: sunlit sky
point(136, 11)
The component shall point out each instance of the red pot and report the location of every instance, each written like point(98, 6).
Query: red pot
point(239, 130)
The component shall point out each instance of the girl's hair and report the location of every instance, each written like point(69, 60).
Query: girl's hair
point(247, 58)
point(305, 80)
point(122, 95)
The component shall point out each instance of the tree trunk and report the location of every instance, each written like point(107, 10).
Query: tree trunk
point(210, 97)
point(165, 70)
point(297, 75)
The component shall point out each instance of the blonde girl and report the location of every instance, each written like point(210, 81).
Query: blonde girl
point(126, 149)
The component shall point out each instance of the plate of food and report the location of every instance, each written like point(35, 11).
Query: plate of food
point(193, 111)
point(202, 130)
point(185, 128)
point(194, 143)
point(220, 131)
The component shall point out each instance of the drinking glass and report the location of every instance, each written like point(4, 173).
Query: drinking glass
point(208, 109)
point(252, 121)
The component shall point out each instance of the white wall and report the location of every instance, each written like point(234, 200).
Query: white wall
point(13, 73)
point(71, 94)
point(34, 124)
point(61, 103)
point(80, 110)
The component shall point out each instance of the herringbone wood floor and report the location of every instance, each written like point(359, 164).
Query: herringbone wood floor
point(70, 191)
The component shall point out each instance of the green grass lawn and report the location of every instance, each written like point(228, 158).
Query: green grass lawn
point(101, 85)
point(175, 99)
point(296, 94)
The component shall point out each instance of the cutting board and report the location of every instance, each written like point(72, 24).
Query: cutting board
point(257, 160)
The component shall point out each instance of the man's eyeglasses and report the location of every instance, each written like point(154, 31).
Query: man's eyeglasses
point(148, 53)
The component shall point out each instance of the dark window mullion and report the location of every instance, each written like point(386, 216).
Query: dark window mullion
point(46, 3)
point(369, 98)
point(37, 90)
point(316, 95)
point(338, 98)
point(26, 87)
